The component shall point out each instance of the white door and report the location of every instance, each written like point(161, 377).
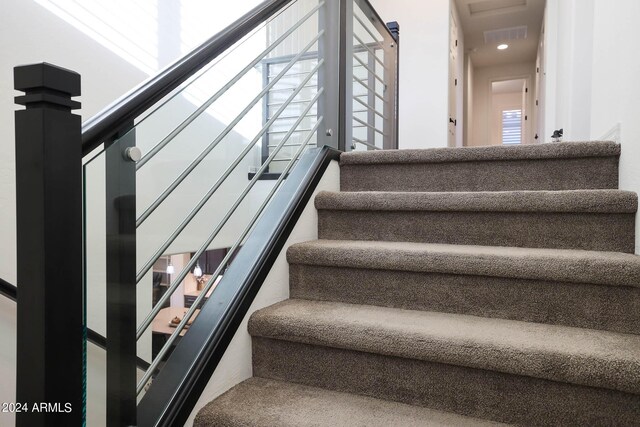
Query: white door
point(453, 79)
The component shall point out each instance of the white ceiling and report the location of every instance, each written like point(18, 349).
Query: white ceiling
point(499, 14)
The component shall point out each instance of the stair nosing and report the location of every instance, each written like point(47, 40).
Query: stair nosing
point(563, 265)
point(256, 390)
point(563, 201)
point(549, 151)
point(350, 327)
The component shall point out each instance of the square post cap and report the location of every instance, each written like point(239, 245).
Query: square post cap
point(394, 27)
point(46, 83)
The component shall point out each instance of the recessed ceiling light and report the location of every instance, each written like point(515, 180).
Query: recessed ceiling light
point(502, 46)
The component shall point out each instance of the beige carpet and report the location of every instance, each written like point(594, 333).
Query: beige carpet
point(456, 287)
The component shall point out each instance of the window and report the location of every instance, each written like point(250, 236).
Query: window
point(512, 126)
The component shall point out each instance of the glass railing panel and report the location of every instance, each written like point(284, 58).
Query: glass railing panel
point(212, 154)
point(94, 236)
point(170, 202)
point(372, 80)
point(277, 96)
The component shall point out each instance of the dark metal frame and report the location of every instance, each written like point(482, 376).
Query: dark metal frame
point(179, 384)
point(121, 281)
point(49, 243)
point(8, 290)
point(394, 28)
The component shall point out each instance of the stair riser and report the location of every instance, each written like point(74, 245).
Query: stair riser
point(548, 174)
point(474, 392)
point(587, 231)
point(610, 308)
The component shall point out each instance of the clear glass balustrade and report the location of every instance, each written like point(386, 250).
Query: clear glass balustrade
point(204, 163)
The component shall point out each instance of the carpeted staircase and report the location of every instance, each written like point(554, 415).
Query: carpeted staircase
point(456, 287)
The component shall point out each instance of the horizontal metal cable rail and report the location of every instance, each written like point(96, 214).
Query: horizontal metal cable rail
point(362, 122)
point(366, 27)
point(373, 73)
point(210, 193)
point(183, 273)
point(372, 109)
point(369, 88)
point(284, 89)
point(371, 51)
point(127, 108)
point(167, 139)
point(285, 131)
point(360, 141)
point(220, 137)
point(300, 101)
point(215, 275)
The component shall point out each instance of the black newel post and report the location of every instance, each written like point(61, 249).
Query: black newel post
point(50, 331)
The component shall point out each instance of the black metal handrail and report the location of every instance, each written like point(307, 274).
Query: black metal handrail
point(8, 290)
point(117, 116)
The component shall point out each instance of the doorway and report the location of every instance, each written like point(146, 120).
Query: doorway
point(509, 115)
point(501, 69)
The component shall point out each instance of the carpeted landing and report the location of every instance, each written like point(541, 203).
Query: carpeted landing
point(456, 287)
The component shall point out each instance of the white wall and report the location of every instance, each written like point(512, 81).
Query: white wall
point(424, 43)
point(8, 315)
point(47, 39)
point(569, 67)
point(482, 78)
point(615, 93)
point(96, 370)
point(594, 90)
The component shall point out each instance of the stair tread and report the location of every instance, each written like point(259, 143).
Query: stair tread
point(560, 353)
point(561, 150)
point(566, 265)
point(591, 201)
point(263, 402)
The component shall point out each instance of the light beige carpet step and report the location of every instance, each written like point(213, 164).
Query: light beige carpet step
point(590, 289)
point(558, 353)
point(507, 371)
point(559, 166)
point(575, 219)
point(260, 402)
